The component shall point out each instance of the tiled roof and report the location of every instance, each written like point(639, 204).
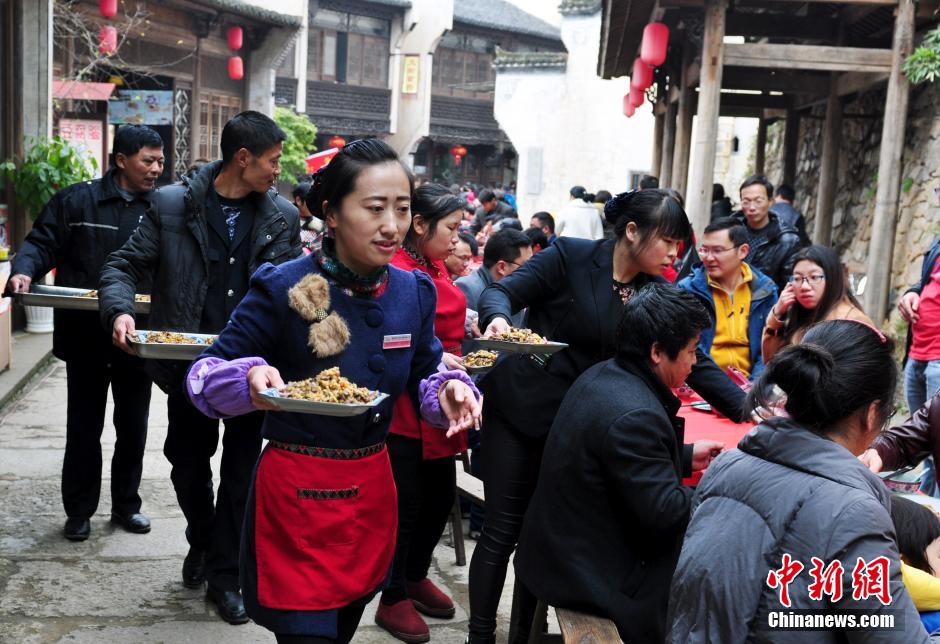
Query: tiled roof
point(579, 7)
point(503, 16)
point(506, 60)
point(255, 12)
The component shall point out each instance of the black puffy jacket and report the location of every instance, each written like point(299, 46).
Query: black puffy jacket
point(172, 245)
point(76, 231)
point(772, 248)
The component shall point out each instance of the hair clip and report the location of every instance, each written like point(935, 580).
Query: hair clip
point(619, 203)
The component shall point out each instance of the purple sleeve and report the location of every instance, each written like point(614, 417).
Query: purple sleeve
point(219, 388)
point(431, 410)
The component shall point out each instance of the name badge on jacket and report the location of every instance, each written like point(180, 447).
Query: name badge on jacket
point(400, 341)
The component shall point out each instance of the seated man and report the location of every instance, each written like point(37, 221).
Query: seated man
point(736, 295)
point(605, 526)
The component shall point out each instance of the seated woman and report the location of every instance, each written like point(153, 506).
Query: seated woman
point(817, 291)
point(793, 491)
point(918, 533)
point(604, 528)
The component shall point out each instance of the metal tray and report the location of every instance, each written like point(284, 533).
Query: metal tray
point(64, 297)
point(518, 347)
point(274, 397)
point(163, 351)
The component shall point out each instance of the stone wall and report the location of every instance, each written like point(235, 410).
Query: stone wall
point(919, 214)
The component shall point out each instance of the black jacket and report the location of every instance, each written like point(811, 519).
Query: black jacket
point(481, 217)
point(76, 231)
point(772, 248)
point(172, 245)
point(604, 529)
point(568, 288)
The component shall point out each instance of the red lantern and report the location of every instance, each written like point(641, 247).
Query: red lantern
point(107, 8)
point(458, 152)
point(636, 96)
point(628, 108)
point(107, 40)
point(235, 38)
point(654, 45)
point(236, 68)
point(336, 142)
point(642, 76)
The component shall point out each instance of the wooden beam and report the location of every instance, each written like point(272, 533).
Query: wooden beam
point(658, 123)
point(810, 57)
point(791, 144)
point(748, 78)
point(884, 222)
point(680, 160)
point(828, 167)
point(669, 147)
point(854, 82)
point(760, 153)
point(698, 199)
point(778, 26)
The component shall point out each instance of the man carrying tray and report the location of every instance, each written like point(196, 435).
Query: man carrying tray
point(201, 242)
point(74, 234)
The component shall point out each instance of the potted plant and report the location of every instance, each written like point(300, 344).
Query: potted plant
point(48, 166)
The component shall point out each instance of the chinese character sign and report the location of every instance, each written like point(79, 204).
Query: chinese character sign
point(869, 579)
point(410, 74)
point(88, 136)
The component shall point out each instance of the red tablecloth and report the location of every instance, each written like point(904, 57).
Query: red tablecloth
point(700, 425)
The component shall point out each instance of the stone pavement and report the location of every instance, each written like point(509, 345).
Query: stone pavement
point(121, 587)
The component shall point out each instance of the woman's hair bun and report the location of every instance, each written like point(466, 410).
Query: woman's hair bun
point(618, 205)
point(804, 372)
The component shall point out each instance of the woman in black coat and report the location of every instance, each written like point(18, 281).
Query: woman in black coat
point(604, 529)
point(575, 291)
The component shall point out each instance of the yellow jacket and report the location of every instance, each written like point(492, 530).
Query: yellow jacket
point(923, 588)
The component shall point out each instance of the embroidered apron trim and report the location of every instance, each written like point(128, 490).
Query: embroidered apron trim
point(329, 452)
point(312, 494)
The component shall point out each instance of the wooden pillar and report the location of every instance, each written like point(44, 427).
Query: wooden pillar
point(195, 121)
point(791, 146)
point(760, 153)
point(669, 147)
point(698, 199)
point(884, 223)
point(828, 168)
point(657, 143)
point(680, 161)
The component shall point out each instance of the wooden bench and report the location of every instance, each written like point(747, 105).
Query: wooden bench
point(469, 487)
point(576, 627)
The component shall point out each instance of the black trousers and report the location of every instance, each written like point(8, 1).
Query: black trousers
point(426, 492)
point(191, 441)
point(510, 472)
point(347, 623)
point(88, 382)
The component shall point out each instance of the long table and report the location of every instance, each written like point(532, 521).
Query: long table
point(701, 425)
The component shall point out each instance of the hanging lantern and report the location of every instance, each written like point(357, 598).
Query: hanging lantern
point(336, 141)
point(236, 68)
point(234, 37)
point(107, 40)
point(107, 8)
point(654, 45)
point(636, 96)
point(642, 76)
point(458, 152)
point(628, 108)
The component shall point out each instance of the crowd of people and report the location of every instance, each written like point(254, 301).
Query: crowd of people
point(582, 452)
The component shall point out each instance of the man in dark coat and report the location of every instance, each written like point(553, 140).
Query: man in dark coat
point(772, 242)
point(202, 241)
point(74, 234)
point(604, 529)
point(490, 210)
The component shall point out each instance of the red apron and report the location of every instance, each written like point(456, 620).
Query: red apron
point(324, 527)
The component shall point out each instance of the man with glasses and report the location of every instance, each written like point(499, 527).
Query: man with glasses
point(736, 295)
point(772, 242)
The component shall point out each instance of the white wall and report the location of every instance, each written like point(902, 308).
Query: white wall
point(568, 127)
point(732, 168)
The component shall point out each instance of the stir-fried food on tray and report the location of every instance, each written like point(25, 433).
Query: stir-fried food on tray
point(329, 386)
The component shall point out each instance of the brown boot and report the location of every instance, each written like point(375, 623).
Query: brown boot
point(403, 621)
point(429, 599)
